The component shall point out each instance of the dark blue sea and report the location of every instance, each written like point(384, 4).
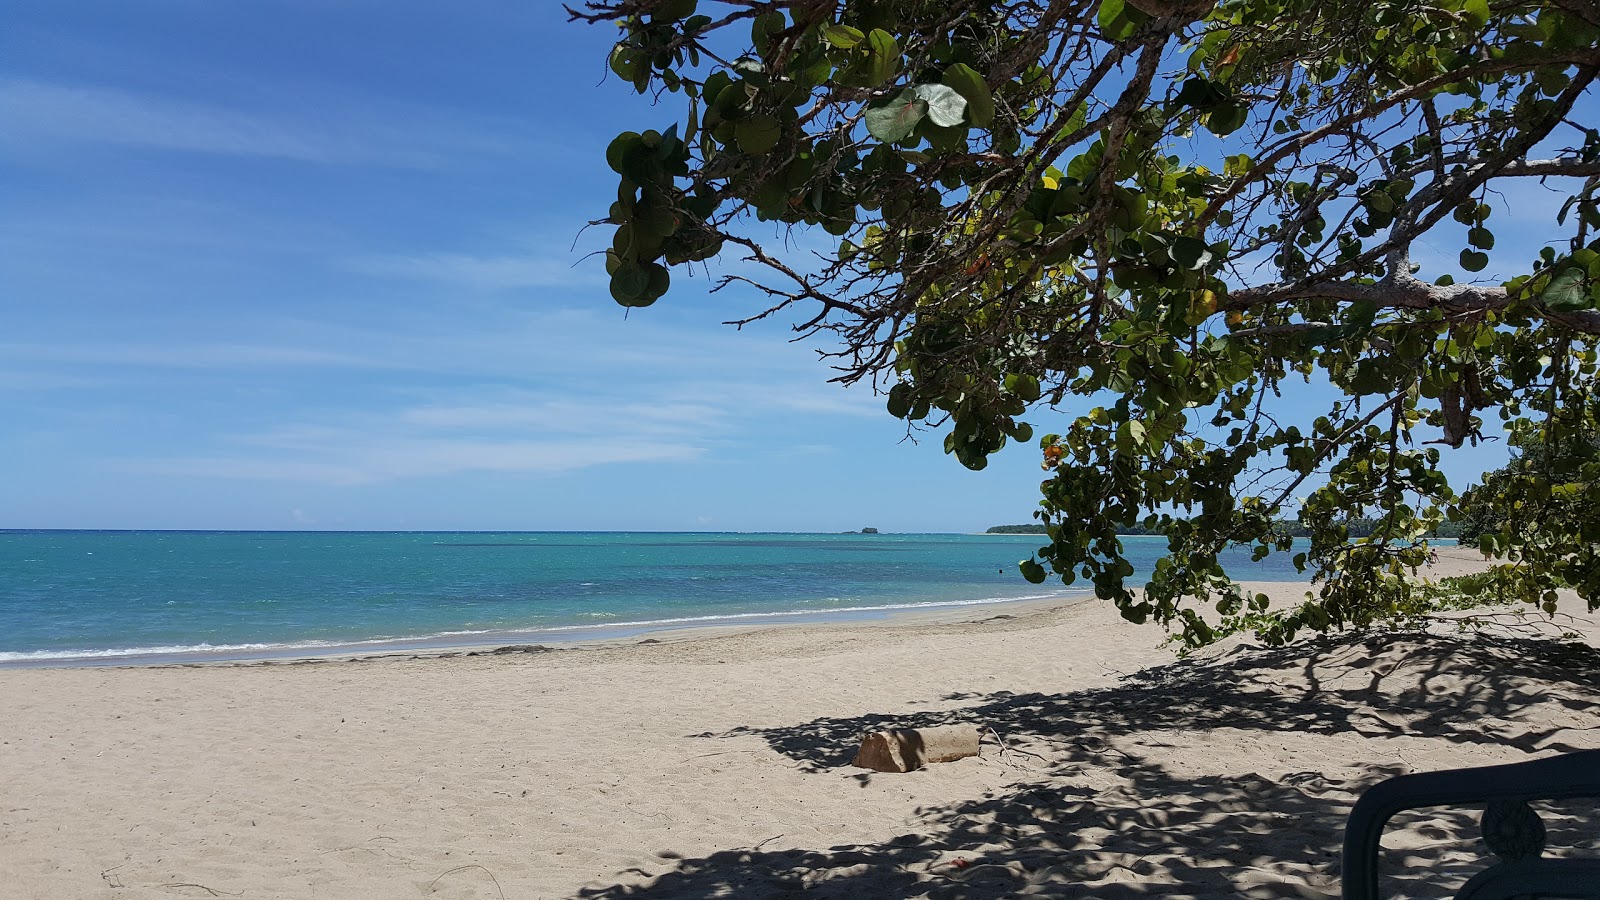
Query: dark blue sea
point(124, 596)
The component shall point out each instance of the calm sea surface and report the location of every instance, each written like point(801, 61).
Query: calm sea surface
point(117, 596)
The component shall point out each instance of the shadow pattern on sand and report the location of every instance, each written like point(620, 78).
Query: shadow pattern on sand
point(1098, 813)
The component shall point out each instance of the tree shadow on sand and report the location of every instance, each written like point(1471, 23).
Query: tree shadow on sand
point(1103, 809)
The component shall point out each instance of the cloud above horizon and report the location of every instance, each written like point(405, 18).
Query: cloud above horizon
point(321, 129)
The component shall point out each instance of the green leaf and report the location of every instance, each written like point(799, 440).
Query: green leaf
point(624, 151)
point(1110, 10)
point(843, 36)
point(764, 27)
point(900, 400)
point(1032, 571)
point(1130, 435)
point(628, 283)
point(895, 120)
point(623, 62)
point(884, 60)
point(1191, 253)
point(1201, 94)
point(659, 280)
point(1473, 261)
point(970, 85)
point(1118, 21)
point(1476, 13)
point(757, 134)
point(1481, 237)
point(1024, 386)
point(1226, 119)
point(1565, 292)
point(946, 107)
point(655, 219)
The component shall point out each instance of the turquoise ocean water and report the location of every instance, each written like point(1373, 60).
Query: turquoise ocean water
point(124, 596)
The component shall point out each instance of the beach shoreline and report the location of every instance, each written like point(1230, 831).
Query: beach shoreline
point(710, 761)
point(577, 637)
point(603, 635)
point(706, 761)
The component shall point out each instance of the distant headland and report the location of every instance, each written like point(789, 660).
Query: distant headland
point(1358, 527)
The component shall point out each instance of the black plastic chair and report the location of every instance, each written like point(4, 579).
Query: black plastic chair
point(1511, 829)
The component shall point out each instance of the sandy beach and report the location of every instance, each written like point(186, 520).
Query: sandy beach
point(694, 764)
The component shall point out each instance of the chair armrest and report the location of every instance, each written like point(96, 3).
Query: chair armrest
point(1552, 778)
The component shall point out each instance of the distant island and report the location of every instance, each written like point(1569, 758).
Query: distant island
point(869, 531)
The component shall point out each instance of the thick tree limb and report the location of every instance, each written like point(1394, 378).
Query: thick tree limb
point(1404, 292)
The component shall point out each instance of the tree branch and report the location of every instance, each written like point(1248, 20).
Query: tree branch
point(1404, 292)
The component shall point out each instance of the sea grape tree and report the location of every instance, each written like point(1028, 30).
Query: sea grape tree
point(1171, 226)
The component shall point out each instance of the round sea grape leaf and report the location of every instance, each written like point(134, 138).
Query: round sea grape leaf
point(1565, 292)
point(1118, 21)
point(1481, 237)
point(895, 120)
point(1109, 11)
point(843, 36)
point(1032, 571)
point(714, 86)
point(900, 400)
point(705, 246)
point(764, 27)
point(621, 149)
point(623, 62)
point(628, 283)
point(966, 81)
point(1226, 118)
point(1024, 386)
point(1191, 253)
point(884, 59)
point(660, 279)
point(672, 10)
point(1201, 94)
point(1474, 261)
point(655, 219)
point(622, 240)
point(946, 107)
point(757, 135)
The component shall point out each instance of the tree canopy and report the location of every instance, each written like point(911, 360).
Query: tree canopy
point(1156, 221)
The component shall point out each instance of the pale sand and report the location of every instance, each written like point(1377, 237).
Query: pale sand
point(708, 765)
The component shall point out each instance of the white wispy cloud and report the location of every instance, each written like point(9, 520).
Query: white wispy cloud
point(566, 415)
point(196, 355)
point(487, 429)
point(484, 272)
point(353, 461)
point(313, 130)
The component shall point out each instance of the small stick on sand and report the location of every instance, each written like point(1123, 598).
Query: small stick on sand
point(463, 869)
point(213, 891)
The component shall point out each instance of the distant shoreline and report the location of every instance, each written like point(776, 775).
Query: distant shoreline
point(534, 640)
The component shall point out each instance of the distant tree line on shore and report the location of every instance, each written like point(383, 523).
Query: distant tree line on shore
point(1359, 527)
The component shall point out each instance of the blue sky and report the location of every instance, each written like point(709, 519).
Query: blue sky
point(304, 264)
point(310, 264)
